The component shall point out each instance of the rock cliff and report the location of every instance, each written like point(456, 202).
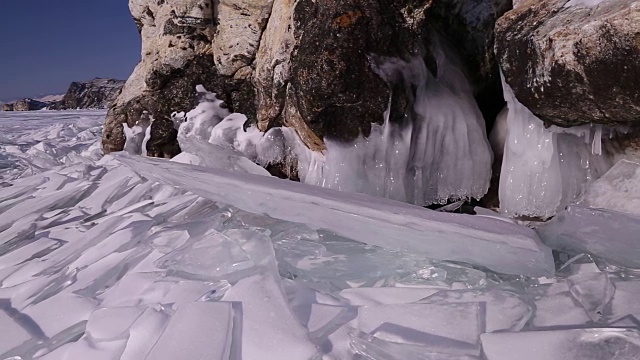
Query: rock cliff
point(95, 94)
point(304, 64)
point(24, 105)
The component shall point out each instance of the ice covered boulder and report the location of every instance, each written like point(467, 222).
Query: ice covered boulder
point(489, 242)
point(439, 153)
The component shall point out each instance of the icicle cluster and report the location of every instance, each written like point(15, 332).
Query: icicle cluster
point(137, 136)
point(544, 170)
point(440, 154)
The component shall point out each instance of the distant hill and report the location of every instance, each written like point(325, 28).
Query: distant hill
point(24, 105)
point(51, 98)
point(98, 93)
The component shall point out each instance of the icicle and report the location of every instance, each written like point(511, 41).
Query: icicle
point(441, 154)
point(596, 147)
point(147, 136)
point(546, 169)
point(530, 182)
point(133, 139)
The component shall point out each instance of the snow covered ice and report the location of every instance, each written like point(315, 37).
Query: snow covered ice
point(605, 220)
point(125, 257)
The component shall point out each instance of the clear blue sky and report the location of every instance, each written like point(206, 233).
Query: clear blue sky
point(47, 44)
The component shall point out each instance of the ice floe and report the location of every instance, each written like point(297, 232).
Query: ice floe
point(124, 257)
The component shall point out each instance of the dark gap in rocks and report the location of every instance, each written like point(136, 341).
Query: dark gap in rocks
point(465, 208)
point(283, 170)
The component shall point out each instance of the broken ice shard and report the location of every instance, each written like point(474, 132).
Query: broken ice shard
point(605, 221)
point(577, 344)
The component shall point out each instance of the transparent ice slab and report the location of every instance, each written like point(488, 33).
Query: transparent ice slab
point(577, 344)
point(213, 257)
point(371, 347)
point(331, 262)
point(492, 243)
point(608, 234)
point(209, 328)
point(444, 328)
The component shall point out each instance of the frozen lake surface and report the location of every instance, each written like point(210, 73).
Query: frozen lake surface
point(125, 257)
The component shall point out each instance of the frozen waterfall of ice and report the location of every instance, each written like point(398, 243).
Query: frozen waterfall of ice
point(441, 154)
point(545, 169)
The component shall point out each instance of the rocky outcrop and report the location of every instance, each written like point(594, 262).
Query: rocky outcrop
point(25, 105)
point(177, 55)
point(314, 66)
point(306, 64)
point(573, 62)
point(322, 82)
point(95, 94)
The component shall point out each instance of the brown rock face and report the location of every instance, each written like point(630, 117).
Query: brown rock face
point(176, 56)
point(338, 92)
point(28, 105)
point(314, 66)
point(572, 65)
point(305, 64)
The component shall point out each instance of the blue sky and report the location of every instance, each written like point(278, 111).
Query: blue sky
point(47, 44)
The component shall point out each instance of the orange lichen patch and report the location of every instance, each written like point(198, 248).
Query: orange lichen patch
point(347, 19)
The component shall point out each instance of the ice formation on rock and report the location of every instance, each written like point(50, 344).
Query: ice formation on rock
point(138, 135)
point(440, 154)
point(617, 190)
point(211, 136)
point(545, 169)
